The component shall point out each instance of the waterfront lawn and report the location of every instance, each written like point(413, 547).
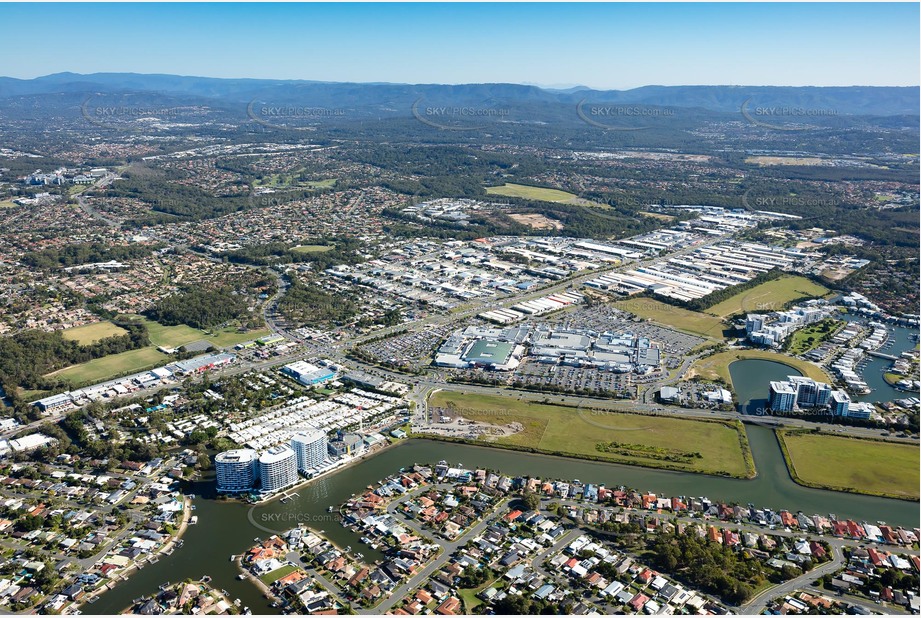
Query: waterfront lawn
point(682, 319)
point(91, 333)
point(854, 465)
point(273, 576)
point(108, 367)
point(769, 296)
point(653, 441)
point(717, 366)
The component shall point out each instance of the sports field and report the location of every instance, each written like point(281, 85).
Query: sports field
point(769, 296)
point(107, 367)
point(311, 248)
point(90, 333)
point(528, 192)
point(717, 365)
point(179, 335)
point(692, 322)
point(852, 464)
point(653, 441)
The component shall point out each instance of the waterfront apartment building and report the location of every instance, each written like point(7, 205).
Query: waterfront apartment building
point(237, 470)
point(809, 393)
point(277, 469)
point(310, 447)
point(782, 397)
point(840, 403)
point(801, 393)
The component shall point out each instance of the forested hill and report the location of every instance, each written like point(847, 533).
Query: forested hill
point(844, 100)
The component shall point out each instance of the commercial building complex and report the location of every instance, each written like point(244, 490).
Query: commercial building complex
point(308, 374)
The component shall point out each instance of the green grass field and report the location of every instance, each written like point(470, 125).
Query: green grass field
point(291, 180)
point(717, 365)
point(312, 248)
point(102, 369)
point(851, 464)
point(652, 441)
point(109, 367)
point(176, 336)
point(682, 319)
point(273, 576)
point(769, 296)
point(90, 333)
point(7, 204)
point(542, 194)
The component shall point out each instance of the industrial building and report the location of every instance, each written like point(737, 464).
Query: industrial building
point(237, 470)
point(701, 272)
point(201, 363)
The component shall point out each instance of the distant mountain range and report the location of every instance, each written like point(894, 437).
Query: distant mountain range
point(844, 100)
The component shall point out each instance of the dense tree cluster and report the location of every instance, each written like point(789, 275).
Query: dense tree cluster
point(308, 304)
point(84, 253)
point(711, 567)
point(199, 307)
point(27, 356)
point(342, 251)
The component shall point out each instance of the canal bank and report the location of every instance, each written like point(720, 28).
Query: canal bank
point(225, 527)
point(229, 527)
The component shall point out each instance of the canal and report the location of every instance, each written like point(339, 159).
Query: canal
point(228, 527)
point(871, 368)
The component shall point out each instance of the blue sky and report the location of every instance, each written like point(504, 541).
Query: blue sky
point(597, 45)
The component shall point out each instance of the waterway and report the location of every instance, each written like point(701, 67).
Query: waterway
point(871, 368)
point(228, 527)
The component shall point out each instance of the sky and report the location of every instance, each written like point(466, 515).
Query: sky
point(613, 46)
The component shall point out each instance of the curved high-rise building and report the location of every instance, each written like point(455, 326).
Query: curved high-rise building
point(277, 469)
point(236, 470)
point(310, 447)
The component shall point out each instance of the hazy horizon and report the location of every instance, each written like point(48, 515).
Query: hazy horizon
point(537, 85)
point(601, 46)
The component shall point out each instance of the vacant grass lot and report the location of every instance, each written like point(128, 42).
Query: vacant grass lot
point(851, 464)
point(574, 432)
point(769, 296)
point(90, 333)
point(688, 321)
point(273, 576)
point(102, 369)
point(717, 365)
